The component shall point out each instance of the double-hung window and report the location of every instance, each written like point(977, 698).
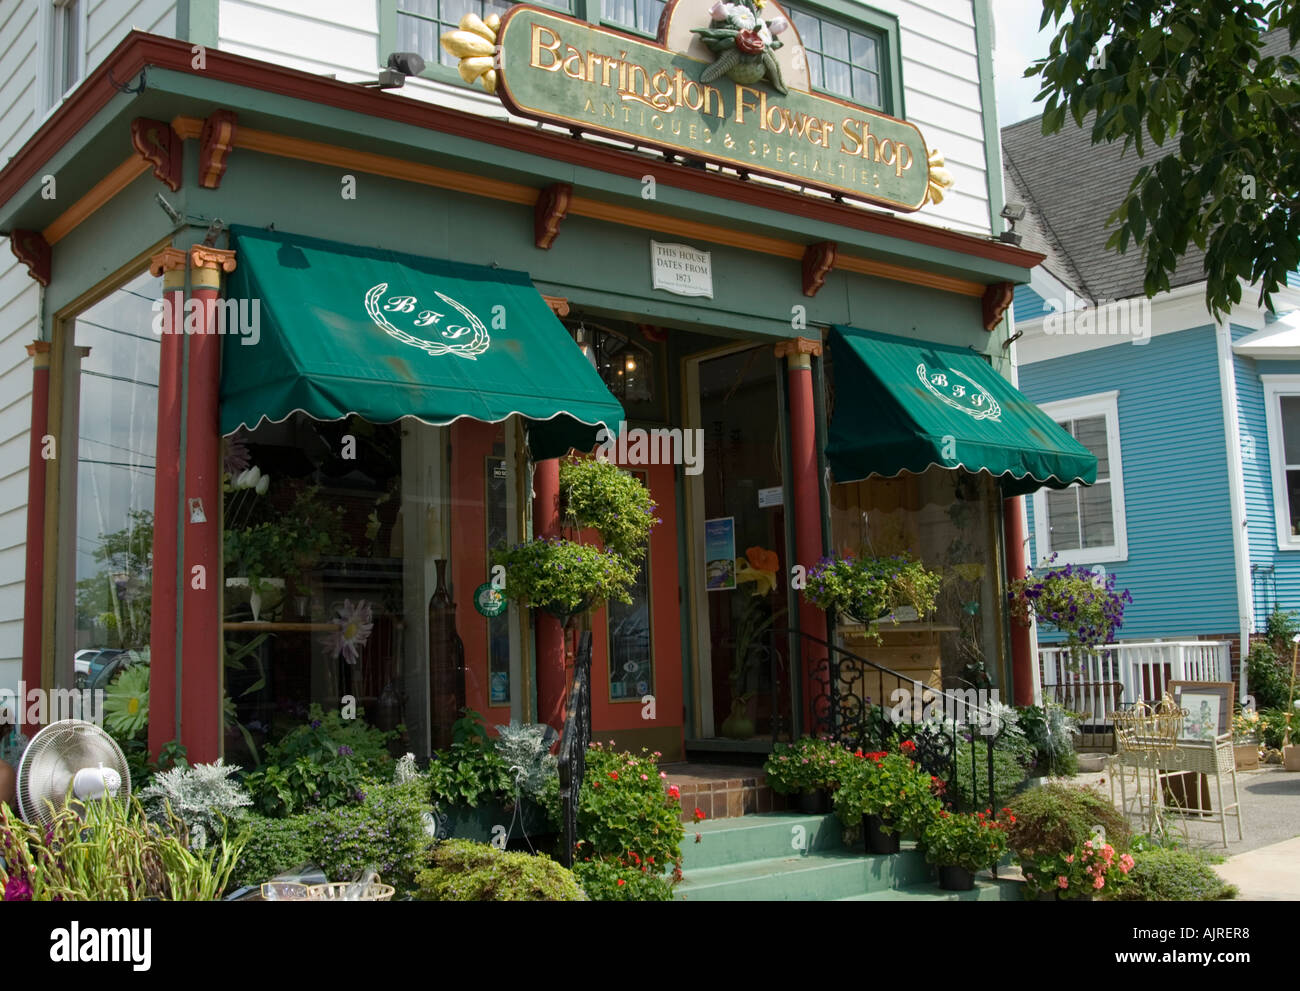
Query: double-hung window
point(64, 58)
point(1282, 413)
point(849, 59)
point(1085, 524)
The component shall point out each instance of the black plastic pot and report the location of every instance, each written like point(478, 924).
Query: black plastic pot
point(953, 878)
point(877, 840)
point(815, 803)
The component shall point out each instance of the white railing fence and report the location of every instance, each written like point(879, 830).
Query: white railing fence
point(1098, 682)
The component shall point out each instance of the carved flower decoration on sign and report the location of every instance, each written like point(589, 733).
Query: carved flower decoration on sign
point(475, 43)
point(744, 43)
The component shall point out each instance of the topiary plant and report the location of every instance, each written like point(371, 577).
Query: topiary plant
point(464, 871)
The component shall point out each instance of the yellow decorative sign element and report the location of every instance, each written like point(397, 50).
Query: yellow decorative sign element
point(475, 44)
point(941, 179)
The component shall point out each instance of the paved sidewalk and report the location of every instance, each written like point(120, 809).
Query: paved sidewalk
point(1267, 874)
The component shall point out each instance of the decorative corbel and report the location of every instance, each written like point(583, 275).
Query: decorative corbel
point(551, 207)
point(158, 144)
point(997, 298)
point(32, 250)
point(558, 304)
point(215, 142)
point(818, 260)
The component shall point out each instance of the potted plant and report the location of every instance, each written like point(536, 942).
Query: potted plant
point(1245, 739)
point(869, 589)
point(1091, 870)
point(808, 768)
point(1072, 599)
point(758, 567)
point(1049, 828)
point(888, 794)
point(962, 843)
point(563, 575)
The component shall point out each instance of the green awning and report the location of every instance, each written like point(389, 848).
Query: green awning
point(904, 406)
point(351, 330)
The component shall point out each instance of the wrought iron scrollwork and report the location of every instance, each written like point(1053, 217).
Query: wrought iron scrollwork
point(573, 746)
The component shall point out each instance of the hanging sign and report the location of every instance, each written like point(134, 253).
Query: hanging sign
point(731, 88)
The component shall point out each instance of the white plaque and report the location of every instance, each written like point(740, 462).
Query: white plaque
point(774, 496)
point(681, 269)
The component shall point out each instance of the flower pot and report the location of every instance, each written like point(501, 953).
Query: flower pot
point(265, 593)
point(953, 878)
point(877, 840)
point(1291, 757)
point(815, 803)
point(1246, 756)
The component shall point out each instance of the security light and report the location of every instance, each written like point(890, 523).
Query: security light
point(400, 65)
point(1011, 213)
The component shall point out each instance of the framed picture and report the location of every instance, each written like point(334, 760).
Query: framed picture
point(1209, 709)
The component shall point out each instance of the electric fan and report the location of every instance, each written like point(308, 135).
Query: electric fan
point(71, 760)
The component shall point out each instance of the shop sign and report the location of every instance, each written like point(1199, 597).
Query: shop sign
point(681, 269)
point(722, 109)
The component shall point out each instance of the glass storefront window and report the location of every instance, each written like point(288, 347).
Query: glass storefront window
point(116, 442)
point(631, 646)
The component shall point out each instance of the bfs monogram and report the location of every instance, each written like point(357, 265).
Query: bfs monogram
point(450, 340)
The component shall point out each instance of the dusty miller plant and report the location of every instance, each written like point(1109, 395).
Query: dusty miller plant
point(203, 797)
point(405, 771)
point(526, 749)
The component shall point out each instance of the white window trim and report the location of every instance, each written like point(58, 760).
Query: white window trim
point(1275, 387)
point(50, 101)
point(1098, 404)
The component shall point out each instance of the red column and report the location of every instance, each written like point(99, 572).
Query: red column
point(170, 264)
point(202, 683)
point(1022, 654)
point(34, 587)
point(807, 508)
point(548, 631)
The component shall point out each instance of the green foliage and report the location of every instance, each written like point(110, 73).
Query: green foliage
point(889, 785)
point(623, 810)
point(972, 841)
point(125, 608)
point(274, 846)
point(126, 702)
point(1271, 727)
point(202, 798)
point(1050, 730)
point(871, 588)
point(325, 763)
point(1279, 628)
point(286, 545)
point(563, 576)
point(469, 773)
point(620, 881)
point(1188, 76)
point(113, 853)
point(527, 746)
point(388, 831)
point(1174, 876)
point(1058, 819)
point(463, 871)
point(973, 786)
point(1268, 676)
point(1092, 869)
point(805, 765)
point(602, 495)
point(1072, 599)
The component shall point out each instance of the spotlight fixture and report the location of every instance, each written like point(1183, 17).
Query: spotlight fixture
point(400, 65)
point(1011, 213)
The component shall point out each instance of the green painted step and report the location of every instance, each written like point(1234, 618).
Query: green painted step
point(766, 836)
point(821, 875)
point(987, 889)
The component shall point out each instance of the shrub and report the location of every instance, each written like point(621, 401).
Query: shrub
point(274, 846)
point(1057, 818)
point(1271, 727)
point(805, 766)
point(112, 853)
point(1050, 730)
point(388, 831)
point(468, 773)
point(202, 797)
point(463, 871)
point(1174, 876)
point(972, 791)
point(971, 841)
point(1267, 676)
point(888, 785)
point(616, 881)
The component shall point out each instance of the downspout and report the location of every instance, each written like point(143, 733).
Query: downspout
point(1236, 492)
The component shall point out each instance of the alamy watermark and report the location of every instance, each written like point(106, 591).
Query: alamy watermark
point(38, 707)
point(1107, 318)
point(658, 446)
point(214, 316)
point(977, 708)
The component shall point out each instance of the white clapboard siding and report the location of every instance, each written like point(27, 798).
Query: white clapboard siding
point(108, 21)
point(18, 33)
point(19, 302)
point(937, 38)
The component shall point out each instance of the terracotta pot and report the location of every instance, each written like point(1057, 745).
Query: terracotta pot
point(1291, 757)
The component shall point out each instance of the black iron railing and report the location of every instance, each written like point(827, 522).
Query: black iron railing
point(861, 704)
point(573, 746)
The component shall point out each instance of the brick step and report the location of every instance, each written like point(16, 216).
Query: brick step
point(820, 875)
point(771, 835)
